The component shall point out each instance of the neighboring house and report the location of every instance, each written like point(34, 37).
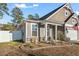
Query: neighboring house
point(71, 27)
point(48, 26)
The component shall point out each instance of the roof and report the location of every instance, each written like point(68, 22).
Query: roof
point(50, 13)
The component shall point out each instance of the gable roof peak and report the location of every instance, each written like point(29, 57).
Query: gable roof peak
point(67, 5)
point(52, 12)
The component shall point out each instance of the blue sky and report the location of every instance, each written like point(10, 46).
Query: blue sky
point(32, 8)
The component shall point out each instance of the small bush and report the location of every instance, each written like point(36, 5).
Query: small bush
point(67, 39)
point(61, 36)
point(53, 42)
point(49, 38)
point(30, 45)
point(42, 39)
point(41, 45)
point(33, 41)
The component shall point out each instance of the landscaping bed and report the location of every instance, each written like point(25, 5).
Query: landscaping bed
point(18, 49)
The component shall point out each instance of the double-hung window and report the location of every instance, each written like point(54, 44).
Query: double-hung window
point(34, 29)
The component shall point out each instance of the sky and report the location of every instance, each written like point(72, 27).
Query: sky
point(32, 8)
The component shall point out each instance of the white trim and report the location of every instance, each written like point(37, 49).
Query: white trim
point(71, 8)
point(54, 24)
point(37, 30)
point(31, 30)
point(56, 30)
point(25, 35)
point(68, 25)
point(26, 31)
point(46, 32)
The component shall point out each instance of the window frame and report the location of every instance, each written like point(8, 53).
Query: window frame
point(66, 13)
point(33, 30)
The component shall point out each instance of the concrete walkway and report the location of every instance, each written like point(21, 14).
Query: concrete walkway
point(50, 47)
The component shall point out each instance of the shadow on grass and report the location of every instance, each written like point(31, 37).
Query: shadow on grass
point(21, 41)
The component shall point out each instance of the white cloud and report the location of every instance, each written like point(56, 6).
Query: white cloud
point(35, 4)
point(26, 6)
point(20, 5)
point(77, 12)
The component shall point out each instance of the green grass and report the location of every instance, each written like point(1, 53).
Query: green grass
point(13, 43)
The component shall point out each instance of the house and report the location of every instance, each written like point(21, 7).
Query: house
point(48, 27)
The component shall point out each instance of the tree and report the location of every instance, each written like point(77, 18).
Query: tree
point(36, 16)
point(8, 26)
point(30, 17)
point(17, 16)
point(3, 9)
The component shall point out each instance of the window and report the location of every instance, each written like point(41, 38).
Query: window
point(74, 21)
point(34, 29)
point(66, 14)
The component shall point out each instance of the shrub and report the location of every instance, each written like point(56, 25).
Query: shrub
point(19, 40)
point(53, 42)
point(30, 45)
point(33, 40)
point(42, 39)
point(49, 38)
point(61, 36)
point(67, 39)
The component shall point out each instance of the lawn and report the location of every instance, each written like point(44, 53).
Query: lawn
point(9, 43)
point(13, 43)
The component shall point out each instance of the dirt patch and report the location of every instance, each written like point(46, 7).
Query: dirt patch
point(71, 50)
point(55, 51)
point(11, 51)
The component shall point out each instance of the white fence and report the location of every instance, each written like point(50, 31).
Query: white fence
point(7, 36)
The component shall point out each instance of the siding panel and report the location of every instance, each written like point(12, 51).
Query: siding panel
point(60, 16)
